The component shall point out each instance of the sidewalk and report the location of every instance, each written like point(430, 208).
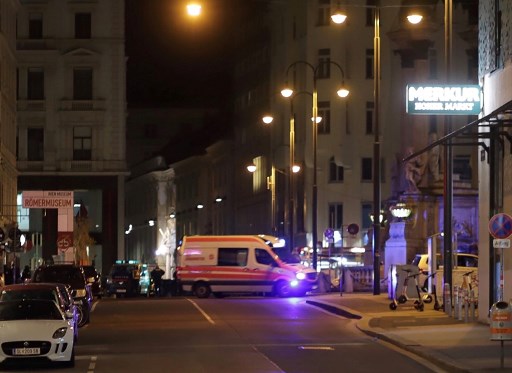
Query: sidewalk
point(453, 345)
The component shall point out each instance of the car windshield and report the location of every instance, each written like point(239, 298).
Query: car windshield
point(71, 275)
point(121, 271)
point(46, 294)
point(29, 310)
point(286, 256)
point(90, 271)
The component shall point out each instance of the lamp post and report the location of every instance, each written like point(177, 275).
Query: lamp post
point(338, 17)
point(447, 163)
point(288, 92)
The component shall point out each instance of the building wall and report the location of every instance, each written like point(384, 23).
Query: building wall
point(8, 172)
point(55, 107)
point(495, 68)
point(300, 30)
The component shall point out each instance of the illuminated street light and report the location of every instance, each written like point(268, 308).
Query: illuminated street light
point(267, 119)
point(376, 174)
point(288, 92)
point(194, 9)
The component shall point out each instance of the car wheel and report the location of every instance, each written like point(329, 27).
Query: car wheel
point(282, 289)
point(202, 290)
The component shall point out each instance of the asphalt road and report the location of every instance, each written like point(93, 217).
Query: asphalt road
point(233, 334)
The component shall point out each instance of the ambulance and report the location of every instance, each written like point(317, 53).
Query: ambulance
point(239, 264)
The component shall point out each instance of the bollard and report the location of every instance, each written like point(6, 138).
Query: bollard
point(456, 301)
point(466, 305)
point(472, 307)
point(447, 302)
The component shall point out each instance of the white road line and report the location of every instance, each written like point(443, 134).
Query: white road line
point(92, 364)
point(210, 320)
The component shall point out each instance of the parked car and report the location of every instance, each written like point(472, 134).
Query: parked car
point(72, 275)
point(35, 329)
point(94, 279)
point(48, 291)
point(124, 279)
point(463, 260)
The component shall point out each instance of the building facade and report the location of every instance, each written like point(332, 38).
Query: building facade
point(8, 172)
point(72, 114)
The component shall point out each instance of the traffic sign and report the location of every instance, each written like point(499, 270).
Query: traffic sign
point(501, 243)
point(500, 226)
point(353, 228)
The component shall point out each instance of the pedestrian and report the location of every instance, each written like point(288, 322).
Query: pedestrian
point(26, 274)
point(156, 276)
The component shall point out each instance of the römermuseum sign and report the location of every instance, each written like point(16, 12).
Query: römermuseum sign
point(444, 99)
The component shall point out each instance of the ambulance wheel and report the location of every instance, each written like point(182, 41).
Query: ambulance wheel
point(282, 289)
point(202, 290)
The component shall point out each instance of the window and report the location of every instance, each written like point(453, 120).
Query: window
point(324, 12)
point(323, 69)
point(233, 257)
point(263, 257)
point(369, 118)
point(150, 130)
point(366, 210)
point(82, 143)
point(324, 111)
point(82, 25)
point(35, 26)
point(366, 169)
point(35, 83)
point(335, 215)
point(462, 167)
point(82, 84)
point(336, 173)
point(369, 64)
point(35, 144)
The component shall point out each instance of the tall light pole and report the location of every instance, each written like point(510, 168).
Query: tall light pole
point(287, 92)
point(339, 17)
point(376, 153)
point(448, 172)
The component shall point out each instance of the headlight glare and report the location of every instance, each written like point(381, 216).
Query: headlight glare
point(300, 275)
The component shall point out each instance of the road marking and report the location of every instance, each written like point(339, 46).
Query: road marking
point(92, 364)
point(210, 320)
point(327, 348)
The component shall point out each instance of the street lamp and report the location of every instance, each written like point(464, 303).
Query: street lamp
point(288, 92)
point(339, 17)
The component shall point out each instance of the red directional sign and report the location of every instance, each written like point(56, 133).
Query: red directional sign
point(500, 226)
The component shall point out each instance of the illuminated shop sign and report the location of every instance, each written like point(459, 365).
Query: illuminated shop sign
point(56, 199)
point(444, 99)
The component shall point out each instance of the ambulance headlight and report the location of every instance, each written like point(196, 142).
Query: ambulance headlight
point(300, 275)
point(294, 283)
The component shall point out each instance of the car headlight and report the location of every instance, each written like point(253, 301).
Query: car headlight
point(59, 333)
point(300, 275)
point(80, 293)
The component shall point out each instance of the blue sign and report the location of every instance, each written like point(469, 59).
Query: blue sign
point(500, 226)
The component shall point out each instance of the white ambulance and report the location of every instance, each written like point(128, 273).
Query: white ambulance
point(239, 264)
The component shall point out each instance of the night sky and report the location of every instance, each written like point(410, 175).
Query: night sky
point(175, 60)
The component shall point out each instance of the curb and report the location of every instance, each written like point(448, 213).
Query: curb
point(364, 326)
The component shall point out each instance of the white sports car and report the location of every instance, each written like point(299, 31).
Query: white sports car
point(35, 330)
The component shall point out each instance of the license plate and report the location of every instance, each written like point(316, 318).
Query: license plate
point(27, 351)
point(121, 290)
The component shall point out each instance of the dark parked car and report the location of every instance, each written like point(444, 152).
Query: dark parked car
point(124, 279)
point(72, 275)
point(49, 291)
point(94, 279)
